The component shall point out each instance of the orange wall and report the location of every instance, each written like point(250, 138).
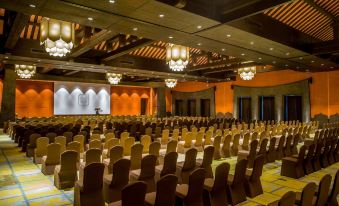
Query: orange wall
point(1, 88)
point(34, 98)
point(126, 100)
point(323, 89)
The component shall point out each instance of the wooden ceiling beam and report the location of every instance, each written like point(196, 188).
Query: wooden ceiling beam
point(321, 10)
point(21, 20)
point(240, 9)
point(97, 38)
point(127, 49)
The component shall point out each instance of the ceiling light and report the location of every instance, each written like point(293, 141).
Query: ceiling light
point(322, 64)
point(25, 71)
point(112, 1)
point(271, 48)
point(222, 49)
point(57, 36)
point(177, 57)
point(242, 54)
point(171, 37)
point(171, 83)
point(6, 57)
point(135, 29)
point(199, 27)
point(32, 6)
point(274, 62)
point(300, 58)
point(199, 44)
point(251, 42)
point(113, 78)
point(161, 15)
point(286, 65)
point(312, 61)
point(228, 35)
point(331, 67)
point(287, 53)
point(39, 60)
point(259, 58)
point(90, 18)
point(247, 73)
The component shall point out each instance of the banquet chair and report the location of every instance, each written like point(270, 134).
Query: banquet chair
point(65, 174)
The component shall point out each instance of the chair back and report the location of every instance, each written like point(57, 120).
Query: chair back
point(188, 140)
point(190, 159)
point(246, 141)
point(287, 199)
point(170, 164)
point(95, 144)
point(164, 136)
point(41, 146)
point(120, 173)
point(111, 143)
point(226, 147)
point(195, 188)
point(254, 136)
point(171, 146)
point(128, 143)
point(301, 154)
point(147, 167)
point(32, 139)
point(221, 175)
point(239, 173)
point(51, 136)
point(332, 200)
point(175, 134)
point(53, 154)
point(208, 137)
point(258, 166)
point(109, 136)
point(323, 190)
point(145, 141)
point(137, 190)
point(263, 146)
point(123, 137)
point(95, 137)
point(165, 194)
point(81, 139)
point(69, 136)
point(198, 139)
point(68, 161)
point(93, 177)
point(207, 161)
point(136, 156)
point(307, 194)
point(115, 153)
point(93, 155)
point(154, 149)
point(62, 141)
point(216, 145)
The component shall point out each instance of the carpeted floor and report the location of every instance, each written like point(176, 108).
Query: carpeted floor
point(22, 183)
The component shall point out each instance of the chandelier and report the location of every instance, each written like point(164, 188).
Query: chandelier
point(113, 78)
point(25, 71)
point(57, 36)
point(170, 83)
point(247, 73)
point(177, 57)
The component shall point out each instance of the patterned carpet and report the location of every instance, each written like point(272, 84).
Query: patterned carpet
point(22, 183)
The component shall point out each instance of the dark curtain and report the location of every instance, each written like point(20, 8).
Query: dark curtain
point(266, 108)
point(293, 108)
point(245, 109)
point(179, 107)
point(205, 109)
point(191, 107)
point(143, 106)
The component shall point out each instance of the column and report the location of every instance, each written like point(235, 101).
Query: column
point(8, 95)
point(161, 101)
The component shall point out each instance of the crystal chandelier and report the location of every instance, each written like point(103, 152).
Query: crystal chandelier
point(113, 78)
point(247, 73)
point(25, 71)
point(177, 57)
point(57, 36)
point(170, 83)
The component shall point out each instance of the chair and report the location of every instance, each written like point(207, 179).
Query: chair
point(109, 144)
point(246, 141)
point(51, 159)
point(183, 146)
point(316, 157)
point(235, 145)
point(32, 144)
point(40, 150)
point(271, 152)
point(280, 148)
point(164, 137)
point(171, 146)
point(185, 168)
point(116, 153)
point(197, 143)
point(323, 190)
point(287, 199)
point(336, 152)
point(191, 193)
point(81, 140)
point(65, 174)
point(294, 149)
point(154, 149)
point(307, 163)
point(293, 167)
point(128, 143)
point(109, 135)
point(207, 161)
point(216, 145)
point(89, 190)
point(226, 146)
point(136, 156)
point(235, 189)
point(123, 137)
point(249, 155)
point(146, 173)
point(114, 183)
point(208, 138)
point(287, 148)
point(94, 144)
point(165, 193)
point(305, 198)
point(169, 166)
point(75, 146)
point(324, 154)
point(330, 154)
point(262, 148)
point(145, 141)
point(215, 189)
point(332, 199)
point(62, 141)
point(91, 155)
point(175, 134)
point(253, 185)
point(137, 190)
point(95, 136)
point(69, 136)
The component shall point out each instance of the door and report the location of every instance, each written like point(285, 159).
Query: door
point(205, 109)
point(293, 107)
point(244, 109)
point(266, 108)
point(191, 107)
point(179, 107)
point(143, 106)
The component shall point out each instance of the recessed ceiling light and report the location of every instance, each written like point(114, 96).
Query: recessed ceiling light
point(228, 35)
point(259, 58)
point(300, 58)
point(274, 62)
point(287, 53)
point(135, 29)
point(242, 54)
point(199, 44)
point(90, 18)
point(234, 71)
point(6, 57)
point(112, 1)
point(92, 66)
point(161, 15)
point(307, 70)
point(39, 60)
point(271, 48)
point(312, 61)
point(222, 49)
point(199, 27)
point(322, 64)
point(251, 42)
point(286, 65)
point(32, 6)
point(170, 37)
point(331, 67)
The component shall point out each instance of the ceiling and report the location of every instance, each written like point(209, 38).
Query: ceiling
point(130, 36)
